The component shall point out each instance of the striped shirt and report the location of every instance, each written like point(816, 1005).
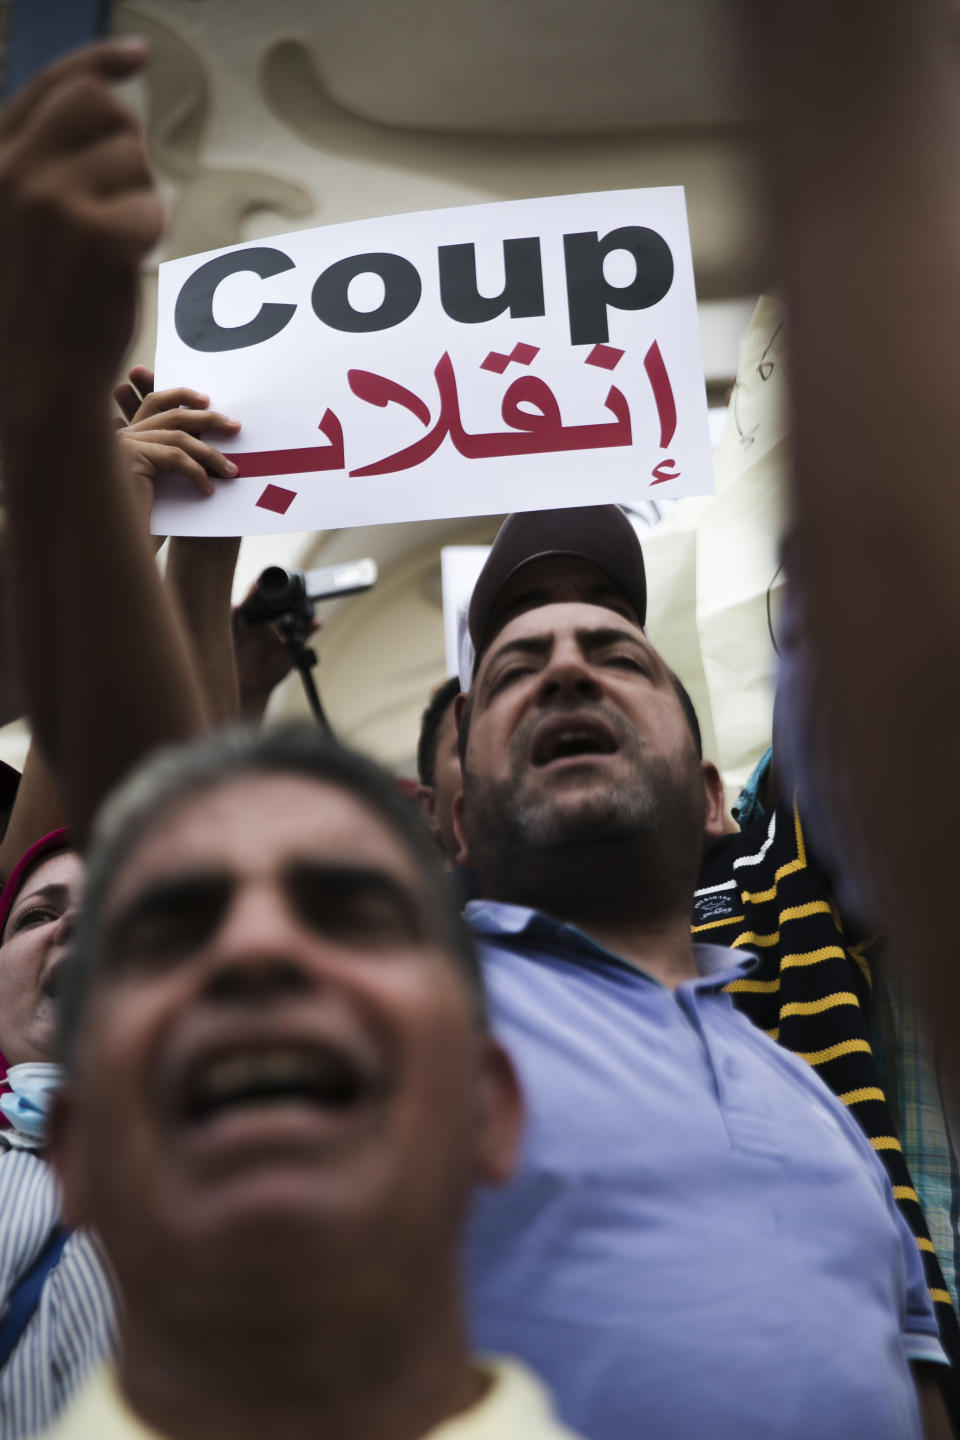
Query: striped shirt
point(925, 1112)
point(71, 1331)
point(811, 991)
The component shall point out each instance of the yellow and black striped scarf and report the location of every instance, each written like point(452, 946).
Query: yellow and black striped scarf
point(761, 891)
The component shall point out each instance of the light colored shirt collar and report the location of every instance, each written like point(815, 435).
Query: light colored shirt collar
point(717, 964)
point(515, 1404)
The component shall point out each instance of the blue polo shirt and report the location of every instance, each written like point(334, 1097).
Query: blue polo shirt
point(700, 1243)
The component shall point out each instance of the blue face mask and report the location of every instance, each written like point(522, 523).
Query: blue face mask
point(28, 1106)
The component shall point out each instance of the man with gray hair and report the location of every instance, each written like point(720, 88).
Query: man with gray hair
point(280, 1092)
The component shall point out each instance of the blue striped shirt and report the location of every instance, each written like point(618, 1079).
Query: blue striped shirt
point(72, 1329)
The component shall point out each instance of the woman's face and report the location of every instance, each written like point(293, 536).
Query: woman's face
point(32, 950)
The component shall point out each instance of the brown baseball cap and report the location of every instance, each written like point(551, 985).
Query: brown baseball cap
point(602, 534)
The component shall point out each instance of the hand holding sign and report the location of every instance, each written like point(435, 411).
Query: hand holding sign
point(163, 433)
point(369, 381)
point(162, 436)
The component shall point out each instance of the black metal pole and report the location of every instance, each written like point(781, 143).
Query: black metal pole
point(304, 660)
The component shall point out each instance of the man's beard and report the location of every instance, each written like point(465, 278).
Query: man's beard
point(528, 843)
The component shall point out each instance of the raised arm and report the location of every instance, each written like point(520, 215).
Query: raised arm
point(160, 436)
point(163, 433)
point(200, 580)
point(106, 670)
point(862, 126)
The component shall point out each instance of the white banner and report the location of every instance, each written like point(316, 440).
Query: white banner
point(460, 567)
point(455, 362)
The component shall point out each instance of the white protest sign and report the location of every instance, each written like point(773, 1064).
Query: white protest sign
point(456, 362)
point(460, 567)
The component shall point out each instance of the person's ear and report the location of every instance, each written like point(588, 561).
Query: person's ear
point(716, 806)
point(459, 705)
point(499, 1114)
point(462, 856)
point(65, 1152)
point(423, 796)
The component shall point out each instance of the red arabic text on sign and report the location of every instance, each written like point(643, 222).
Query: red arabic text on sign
point(277, 499)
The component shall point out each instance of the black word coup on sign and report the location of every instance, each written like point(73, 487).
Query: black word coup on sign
point(589, 293)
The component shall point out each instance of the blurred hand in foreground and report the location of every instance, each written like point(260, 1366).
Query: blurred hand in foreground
point(78, 213)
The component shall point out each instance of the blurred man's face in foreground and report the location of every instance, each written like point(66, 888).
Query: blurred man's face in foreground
point(278, 1059)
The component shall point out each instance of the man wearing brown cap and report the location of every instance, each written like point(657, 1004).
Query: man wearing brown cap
point(699, 1239)
point(590, 553)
